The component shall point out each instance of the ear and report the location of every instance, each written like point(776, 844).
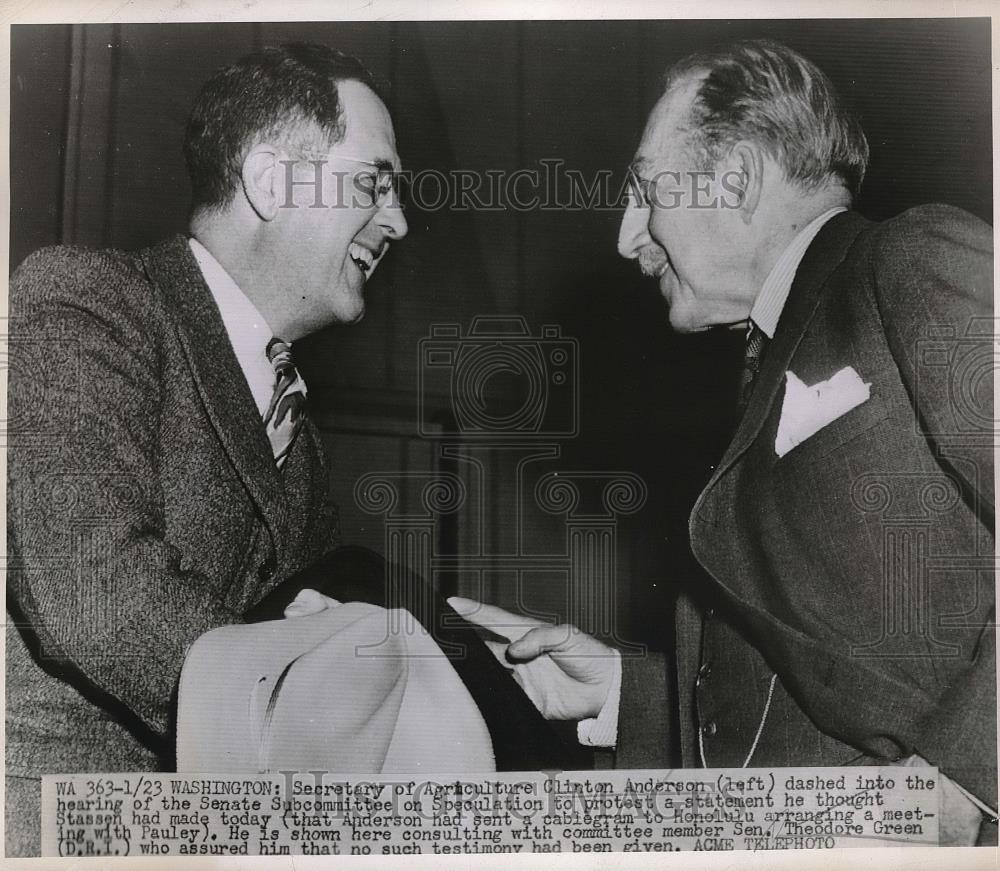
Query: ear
point(262, 180)
point(744, 178)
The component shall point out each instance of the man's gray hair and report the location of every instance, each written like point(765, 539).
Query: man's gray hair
point(764, 92)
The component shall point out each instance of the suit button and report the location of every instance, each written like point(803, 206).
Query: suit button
point(709, 729)
point(703, 672)
point(267, 569)
point(710, 613)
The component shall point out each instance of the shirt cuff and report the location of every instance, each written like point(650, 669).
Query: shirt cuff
point(987, 811)
point(916, 760)
point(602, 730)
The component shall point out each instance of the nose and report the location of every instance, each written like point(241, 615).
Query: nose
point(634, 231)
point(391, 219)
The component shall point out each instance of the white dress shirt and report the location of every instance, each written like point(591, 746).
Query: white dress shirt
point(770, 302)
point(247, 330)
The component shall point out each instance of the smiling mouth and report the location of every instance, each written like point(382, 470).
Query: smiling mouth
point(363, 258)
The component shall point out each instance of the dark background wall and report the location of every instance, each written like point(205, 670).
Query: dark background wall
point(97, 116)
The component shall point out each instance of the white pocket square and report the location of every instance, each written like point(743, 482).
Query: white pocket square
point(806, 410)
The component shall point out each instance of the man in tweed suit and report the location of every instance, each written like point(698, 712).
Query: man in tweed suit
point(145, 502)
point(847, 611)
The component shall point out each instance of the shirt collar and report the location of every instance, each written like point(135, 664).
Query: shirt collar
point(771, 299)
point(247, 330)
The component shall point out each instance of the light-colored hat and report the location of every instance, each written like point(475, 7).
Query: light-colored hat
point(354, 689)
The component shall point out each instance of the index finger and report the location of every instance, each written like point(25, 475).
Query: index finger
point(503, 623)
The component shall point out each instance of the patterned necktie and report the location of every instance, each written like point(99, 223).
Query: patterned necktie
point(286, 413)
point(756, 340)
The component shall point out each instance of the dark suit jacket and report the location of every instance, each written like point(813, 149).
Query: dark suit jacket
point(859, 566)
point(144, 505)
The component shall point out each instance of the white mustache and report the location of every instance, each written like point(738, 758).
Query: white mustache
point(653, 260)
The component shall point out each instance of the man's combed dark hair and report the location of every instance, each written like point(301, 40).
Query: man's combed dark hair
point(271, 95)
point(766, 93)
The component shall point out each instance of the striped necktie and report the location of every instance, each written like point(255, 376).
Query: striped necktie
point(286, 413)
point(756, 341)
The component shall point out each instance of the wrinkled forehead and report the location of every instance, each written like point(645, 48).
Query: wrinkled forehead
point(668, 123)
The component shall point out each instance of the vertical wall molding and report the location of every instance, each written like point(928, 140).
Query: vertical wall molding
point(87, 169)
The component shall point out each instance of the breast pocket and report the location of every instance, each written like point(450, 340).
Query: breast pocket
point(846, 428)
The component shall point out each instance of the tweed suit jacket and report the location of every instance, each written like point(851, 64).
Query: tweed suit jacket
point(859, 566)
point(144, 504)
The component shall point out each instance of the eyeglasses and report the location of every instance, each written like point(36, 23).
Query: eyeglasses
point(641, 188)
point(376, 185)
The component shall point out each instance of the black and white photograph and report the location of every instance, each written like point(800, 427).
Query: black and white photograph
point(500, 435)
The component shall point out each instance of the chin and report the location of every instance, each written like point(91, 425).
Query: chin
point(347, 308)
point(353, 314)
point(682, 322)
point(686, 329)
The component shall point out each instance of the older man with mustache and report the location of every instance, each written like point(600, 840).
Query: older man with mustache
point(847, 533)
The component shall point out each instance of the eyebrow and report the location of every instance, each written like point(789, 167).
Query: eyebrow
point(379, 163)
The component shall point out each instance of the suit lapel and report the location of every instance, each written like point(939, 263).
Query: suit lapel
point(220, 381)
point(823, 256)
